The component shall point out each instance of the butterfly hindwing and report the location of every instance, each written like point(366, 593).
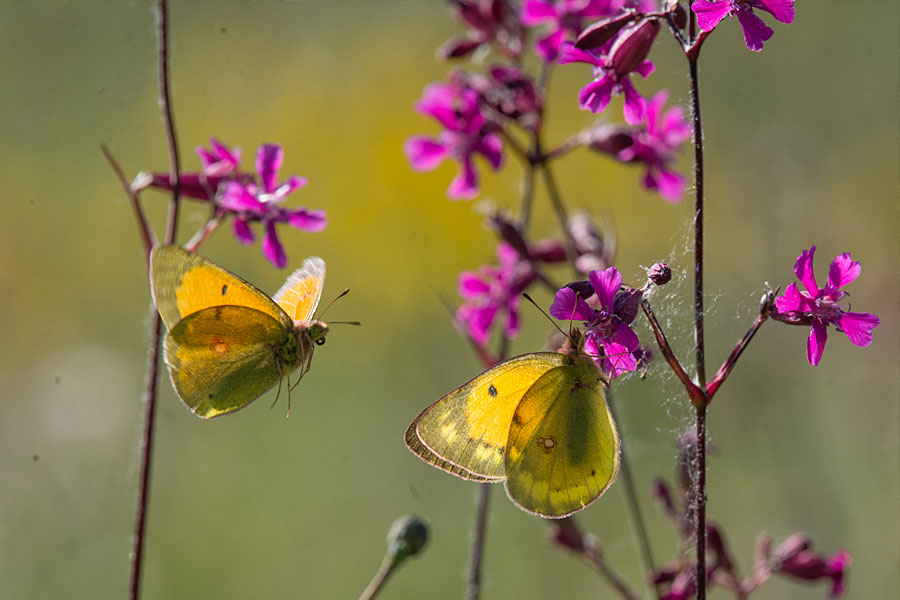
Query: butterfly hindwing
point(466, 431)
point(563, 450)
point(222, 358)
point(183, 283)
point(300, 294)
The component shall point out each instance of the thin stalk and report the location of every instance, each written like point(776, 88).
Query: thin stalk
point(634, 509)
point(558, 208)
point(381, 577)
point(699, 339)
point(150, 395)
point(473, 578)
point(143, 225)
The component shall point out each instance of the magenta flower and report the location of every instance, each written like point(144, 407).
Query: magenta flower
point(655, 147)
point(794, 557)
point(249, 201)
point(219, 165)
point(612, 70)
point(563, 19)
point(820, 306)
point(466, 133)
point(491, 291)
point(608, 334)
point(756, 32)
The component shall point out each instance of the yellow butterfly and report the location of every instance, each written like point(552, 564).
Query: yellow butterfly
point(228, 342)
point(538, 421)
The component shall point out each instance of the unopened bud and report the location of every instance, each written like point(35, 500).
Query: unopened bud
point(632, 47)
point(660, 274)
point(596, 35)
point(407, 536)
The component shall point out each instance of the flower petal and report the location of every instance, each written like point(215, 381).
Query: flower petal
point(633, 108)
point(242, 231)
point(271, 246)
point(269, 158)
point(307, 220)
point(782, 10)
point(569, 53)
point(535, 12)
point(423, 153)
point(671, 185)
point(710, 13)
point(595, 96)
point(569, 305)
point(815, 345)
point(491, 147)
point(437, 101)
point(842, 271)
point(465, 184)
point(606, 283)
point(755, 30)
point(791, 300)
point(858, 327)
point(548, 47)
point(803, 269)
point(470, 285)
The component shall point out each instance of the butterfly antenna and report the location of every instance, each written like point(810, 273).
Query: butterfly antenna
point(338, 297)
point(549, 318)
point(357, 323)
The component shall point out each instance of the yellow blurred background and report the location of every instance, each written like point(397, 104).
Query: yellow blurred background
point(802, 148)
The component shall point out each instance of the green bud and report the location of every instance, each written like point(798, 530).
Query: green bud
point(406, 538)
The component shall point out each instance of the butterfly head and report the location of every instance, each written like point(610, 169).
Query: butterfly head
point(314, 331)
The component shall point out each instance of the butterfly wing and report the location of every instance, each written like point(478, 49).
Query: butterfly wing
point(563, 448)
point(465, 432)
point(183, 283)
point(300, 294)
point(222, 358)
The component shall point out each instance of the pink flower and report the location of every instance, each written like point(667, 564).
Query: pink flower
point(608, 334)
point(249, 201)
point(819, 307)
point(613, 67)
point(655, 147)
point(756, 32)
point(466, 133)
point(490, 291)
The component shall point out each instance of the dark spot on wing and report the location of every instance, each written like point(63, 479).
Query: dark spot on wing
point(224, 289)
point(210, 396)
point(492, 390)
point(593, 472)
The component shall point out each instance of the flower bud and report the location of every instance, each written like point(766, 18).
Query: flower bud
point(660, 274)
point(632, 47)
point(661, 493)
point(596, 35)
point(406, 538)
point(627, 303)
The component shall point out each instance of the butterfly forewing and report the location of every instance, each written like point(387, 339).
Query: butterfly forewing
point(222, 358)
point(469, 427)
point(300, 294)
point(563, 450)
point(183, 283)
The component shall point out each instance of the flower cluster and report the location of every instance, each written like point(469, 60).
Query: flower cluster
point(243, 196)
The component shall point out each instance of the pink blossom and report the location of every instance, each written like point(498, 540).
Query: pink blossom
point(608, 334)
point(466, 133)
point(756, 32)
point(251, 201)
point(819, 307)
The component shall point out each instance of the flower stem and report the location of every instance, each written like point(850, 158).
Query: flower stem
point(473, 578)
point(634, 509)
point(146, 444)
point(387, 567)
point(700, 478)
point(143, 225)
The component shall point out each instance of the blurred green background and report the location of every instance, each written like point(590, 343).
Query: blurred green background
point(802, 148)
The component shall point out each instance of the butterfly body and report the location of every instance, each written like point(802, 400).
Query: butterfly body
point(227, 341)
point(539, 422)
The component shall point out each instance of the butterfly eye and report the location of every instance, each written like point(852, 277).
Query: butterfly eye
point(320, 341)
